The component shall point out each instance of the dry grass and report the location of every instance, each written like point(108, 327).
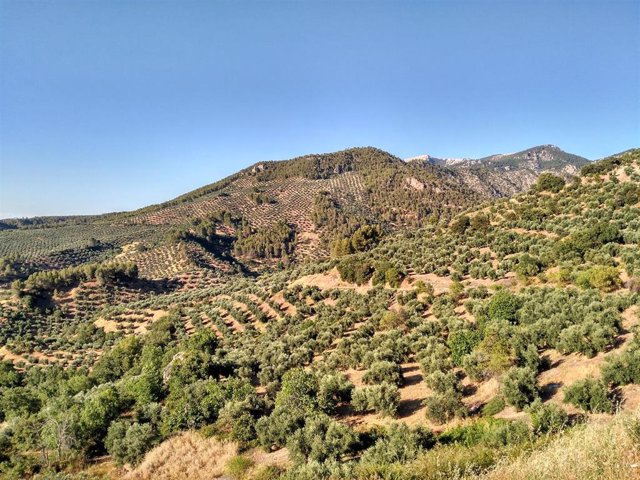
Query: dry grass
point(596, 451)
point(187, 456)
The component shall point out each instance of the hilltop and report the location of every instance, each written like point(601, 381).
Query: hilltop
point(483, 336)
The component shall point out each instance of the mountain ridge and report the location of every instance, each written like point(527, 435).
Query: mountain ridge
point(300, 206)
point(219, 184)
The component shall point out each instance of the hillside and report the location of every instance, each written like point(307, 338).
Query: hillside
point(273, 211)
point(323, 197)
point(292, 210)
point(464, 345)
point(507, 174)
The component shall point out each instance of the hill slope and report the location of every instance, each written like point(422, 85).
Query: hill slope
point(507, 174)
point(320, 198)
point(279, 210)
point(435, 351)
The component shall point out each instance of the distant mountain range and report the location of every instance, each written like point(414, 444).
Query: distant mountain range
point(506, 174)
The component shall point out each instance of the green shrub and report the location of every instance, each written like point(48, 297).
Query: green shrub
point(503, 306)
point(443, 407)
point(547, 418)
point(128, 442)
point(399, 444)
point(355, 271)
point(519, 387)
point(604, 278)
point(493, 406)
point(443, 382)
point(321, 439)
point(548, 182)
point(435, 358)
point(590, 395)
point(624, 368)
point(528, 265)
point(299, 390)
point(588, 338)
point(333, 389)
point(383, 371)
point(274, 431)
point(236, 422)
point(383, 398)
point(461, 343)
point(490, 432)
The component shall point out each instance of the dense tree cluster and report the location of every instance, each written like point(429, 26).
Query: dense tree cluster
point(272, 242)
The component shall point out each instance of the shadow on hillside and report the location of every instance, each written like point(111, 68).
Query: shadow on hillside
point(407, 408)
point(160, 286)
point(549, 390)
point(412, 379)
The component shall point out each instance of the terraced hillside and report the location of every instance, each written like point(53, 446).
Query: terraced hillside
point(447, 350)
point(321, 198)
point(357, 186)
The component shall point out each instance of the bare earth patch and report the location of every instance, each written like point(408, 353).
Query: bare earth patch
point(330, 280)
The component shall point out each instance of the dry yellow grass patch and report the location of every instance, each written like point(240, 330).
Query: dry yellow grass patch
point(106, 325)
point(330, 280)
point(596, 451)
point(187, 456)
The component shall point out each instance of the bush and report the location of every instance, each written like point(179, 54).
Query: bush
point(128, 442)
point(299, 391)
point(460, 225)
point(443, 382)
point(548, 182)
point(383, 398)
point(590, 395)
point(383, 371)
point(503, 306)
point(624, 368)
point(519, 387)
point(528, 266)
point(321, 439)
point(101, 407)
point(492, 356)
point(355, 271)
point(443, 407)
point(490, 432)
point(333, 389)
point(493, 406)
point(606, 279)
point(200, 403)
point(461, 343)
point(9, 376)
point(589, 338)
point(399, 444)
point(275, 430)
point(236, 421)
point(436, 358)
point(547, 418)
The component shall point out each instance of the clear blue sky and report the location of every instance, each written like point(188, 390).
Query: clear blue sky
point(114, 105)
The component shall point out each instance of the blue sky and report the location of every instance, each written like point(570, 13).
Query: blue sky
point(114, 105)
